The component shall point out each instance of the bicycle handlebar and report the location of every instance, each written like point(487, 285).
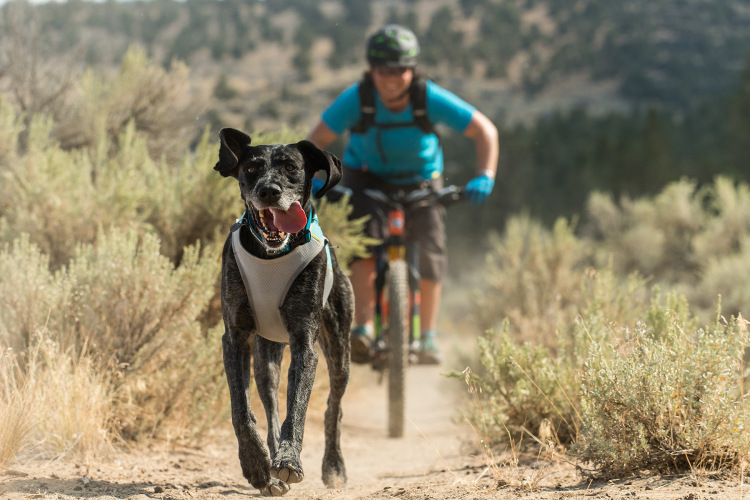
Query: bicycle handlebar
point(445, 196)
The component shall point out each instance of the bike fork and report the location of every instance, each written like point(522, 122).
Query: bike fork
point(415, 297)
point(381, 268)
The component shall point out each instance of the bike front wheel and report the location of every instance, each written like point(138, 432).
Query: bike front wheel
point(398, 350)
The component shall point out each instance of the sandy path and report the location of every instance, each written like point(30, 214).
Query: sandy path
point(430, 462)
point(431, 440)
point(375, 463)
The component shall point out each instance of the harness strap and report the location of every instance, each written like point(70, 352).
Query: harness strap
point(267, 281)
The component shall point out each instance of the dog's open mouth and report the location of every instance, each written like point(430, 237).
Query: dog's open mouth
point(274, 225)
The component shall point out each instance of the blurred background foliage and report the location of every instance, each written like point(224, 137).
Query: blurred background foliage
point(620, 216)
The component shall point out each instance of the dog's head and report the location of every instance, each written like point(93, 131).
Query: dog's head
point(275, 182)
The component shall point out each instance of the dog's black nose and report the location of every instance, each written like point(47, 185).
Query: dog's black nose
point(270, 193)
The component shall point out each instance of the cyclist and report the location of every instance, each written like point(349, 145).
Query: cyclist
point(392, 146)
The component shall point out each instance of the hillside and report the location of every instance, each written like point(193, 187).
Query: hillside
point(280, 62)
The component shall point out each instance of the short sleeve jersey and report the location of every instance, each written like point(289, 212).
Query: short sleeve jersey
point(403, 154)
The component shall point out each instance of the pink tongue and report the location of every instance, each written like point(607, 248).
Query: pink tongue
point(291, 221)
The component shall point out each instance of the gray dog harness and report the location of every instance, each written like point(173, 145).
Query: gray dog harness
point(267, 281)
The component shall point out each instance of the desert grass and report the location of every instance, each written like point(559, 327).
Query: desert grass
point(53, 403)
point(15, 409)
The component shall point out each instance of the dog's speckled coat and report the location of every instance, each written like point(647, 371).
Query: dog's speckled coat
point(277, 176)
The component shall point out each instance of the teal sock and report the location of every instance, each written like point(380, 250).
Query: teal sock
point(362, 330)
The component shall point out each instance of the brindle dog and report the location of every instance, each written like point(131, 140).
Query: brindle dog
point(275, 183)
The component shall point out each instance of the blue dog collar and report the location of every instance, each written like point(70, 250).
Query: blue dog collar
point(312, 230)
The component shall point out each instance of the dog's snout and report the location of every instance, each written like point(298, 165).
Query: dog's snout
point(269, 193)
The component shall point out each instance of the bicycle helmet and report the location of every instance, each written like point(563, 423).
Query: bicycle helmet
point(393, 45)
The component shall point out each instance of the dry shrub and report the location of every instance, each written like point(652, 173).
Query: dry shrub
point(533, 279)
point(521, 387)
point(621, 369)
point(728, 221)
point(122, 332)
point(60, 198)
point(652, 393)
point(11, 126)
point(524, 385)
point(651, 236)
point(668, 398)
point(30, 295)
point(131, 307)
point(687, 238)
point(159, 102)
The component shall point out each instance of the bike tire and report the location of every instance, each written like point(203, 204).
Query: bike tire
point(398, 350)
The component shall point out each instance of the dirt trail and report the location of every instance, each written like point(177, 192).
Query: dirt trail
point(431, 445)
point(431, 440)
point(430, 462)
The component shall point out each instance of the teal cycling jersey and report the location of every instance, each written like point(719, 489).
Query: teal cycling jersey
point(400, 155)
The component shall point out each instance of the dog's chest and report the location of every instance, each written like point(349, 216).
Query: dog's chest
point(267, 281)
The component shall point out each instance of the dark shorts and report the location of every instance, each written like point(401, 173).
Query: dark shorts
point(425, 225)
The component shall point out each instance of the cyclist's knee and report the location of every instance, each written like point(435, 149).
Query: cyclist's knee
point(362, 265)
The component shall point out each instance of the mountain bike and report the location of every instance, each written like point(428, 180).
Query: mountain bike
point(397, 297)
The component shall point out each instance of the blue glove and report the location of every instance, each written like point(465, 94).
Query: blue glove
point(479, 188)
point(317, 184)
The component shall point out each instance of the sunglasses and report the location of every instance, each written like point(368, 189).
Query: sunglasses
point(390, 71)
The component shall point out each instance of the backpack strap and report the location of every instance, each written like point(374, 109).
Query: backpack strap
point(366, 105)
point(418, 97)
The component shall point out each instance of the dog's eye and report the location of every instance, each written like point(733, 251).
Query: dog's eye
point(290, 167)
point(251, 169)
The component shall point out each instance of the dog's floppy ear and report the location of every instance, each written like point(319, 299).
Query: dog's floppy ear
point(232, 143)
point(317, 159)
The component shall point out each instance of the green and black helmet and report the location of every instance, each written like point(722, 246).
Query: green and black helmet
point(393, 45)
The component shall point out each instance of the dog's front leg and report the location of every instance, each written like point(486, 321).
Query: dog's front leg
point(267, 367)
point(304, 360)
point(254, 459)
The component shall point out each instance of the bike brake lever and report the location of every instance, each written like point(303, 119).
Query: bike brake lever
point(451, 194)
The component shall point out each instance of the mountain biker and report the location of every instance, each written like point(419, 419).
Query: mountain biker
point(398, 151)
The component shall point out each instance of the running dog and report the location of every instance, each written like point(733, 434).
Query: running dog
point(281, 284)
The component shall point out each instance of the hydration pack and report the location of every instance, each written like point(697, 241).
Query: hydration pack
point(417, 97)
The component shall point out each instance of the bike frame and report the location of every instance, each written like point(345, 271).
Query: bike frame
point(397, 247)
point(394, 342)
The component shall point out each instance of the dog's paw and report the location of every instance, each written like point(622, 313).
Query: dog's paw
point(334, 480)
point(287, 473)
point(334, 473)
point(275, 488)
